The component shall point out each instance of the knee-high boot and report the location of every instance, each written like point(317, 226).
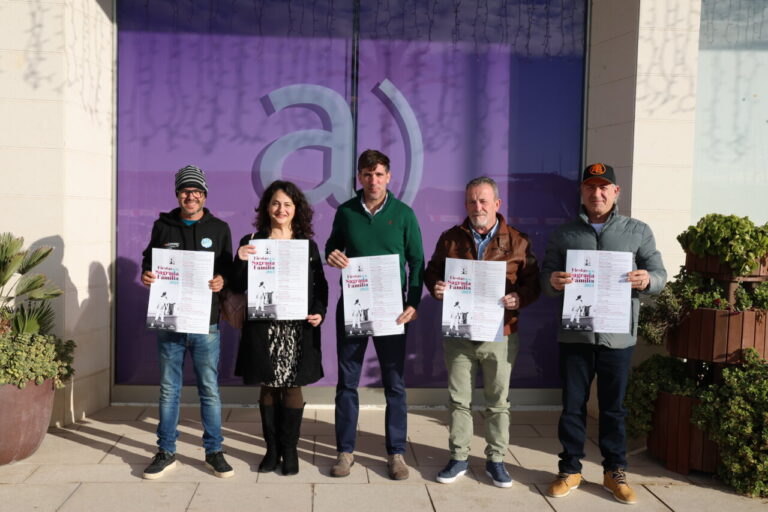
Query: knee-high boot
point(269, 422)
point(290, 421)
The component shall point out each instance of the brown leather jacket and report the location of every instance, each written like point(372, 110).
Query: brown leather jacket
point(508, 245)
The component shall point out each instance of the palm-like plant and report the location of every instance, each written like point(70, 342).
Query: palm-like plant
point(24, 296)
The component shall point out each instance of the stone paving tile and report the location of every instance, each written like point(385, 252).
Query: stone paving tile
point(450, 498)
point(34, 497)
point(550, 430)
point(706, 499)
point(370, 498)
point(542, 451)
point(534, 417)
point(188, 413)
point(523, 431)
point(117, 428)
point(243, 415)
point(130, 497)
point(17, 472)
point(273, 497)
point(591, 496)
point(72, 448)
point(123, 413)
point(73, 473)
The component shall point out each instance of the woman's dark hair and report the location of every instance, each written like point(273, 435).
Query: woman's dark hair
point(302, 219)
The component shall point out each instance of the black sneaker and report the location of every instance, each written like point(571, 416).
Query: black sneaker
point(216, 463)
point(162, 462)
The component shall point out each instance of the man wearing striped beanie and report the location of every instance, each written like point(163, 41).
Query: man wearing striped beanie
point(190, 227)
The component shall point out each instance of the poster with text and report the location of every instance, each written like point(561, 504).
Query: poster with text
point(180, 299)
point(277, 280)
point(472, 306)
point(372, 296)
point(599, 298)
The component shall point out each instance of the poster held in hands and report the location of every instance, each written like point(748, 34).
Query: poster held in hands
point(180, 299)
point(599, 298)
point(472, 302)
point(372, 296)
point(277, 280)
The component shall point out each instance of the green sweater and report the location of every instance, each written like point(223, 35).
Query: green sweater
point(393, 230)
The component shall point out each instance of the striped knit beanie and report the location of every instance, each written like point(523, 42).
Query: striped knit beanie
point(191, 177)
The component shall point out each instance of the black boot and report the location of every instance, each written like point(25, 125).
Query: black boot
point(269, 421)
point(289, 438)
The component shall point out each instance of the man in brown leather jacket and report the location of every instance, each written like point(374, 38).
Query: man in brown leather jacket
point(484, 235)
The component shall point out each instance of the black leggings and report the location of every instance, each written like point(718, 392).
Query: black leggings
point(291, 398)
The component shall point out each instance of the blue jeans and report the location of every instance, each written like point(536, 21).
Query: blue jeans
point(390, 351)
point(204, 351)
point(579, 364)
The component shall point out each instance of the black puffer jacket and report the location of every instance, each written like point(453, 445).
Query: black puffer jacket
point(207, 234)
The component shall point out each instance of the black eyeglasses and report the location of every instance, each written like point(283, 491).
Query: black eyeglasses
point(192, 192)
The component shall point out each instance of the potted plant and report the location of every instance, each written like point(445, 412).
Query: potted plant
point(734, 412)
point(705, 406)
point(726, 245)
point(33, 362)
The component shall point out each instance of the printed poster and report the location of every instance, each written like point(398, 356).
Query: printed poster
point(372, 296)
point(180, 299)
point(277, 280)
point(472, 303)
point(599, 298)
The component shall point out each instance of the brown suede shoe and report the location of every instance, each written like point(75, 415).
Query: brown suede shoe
point(615, 482)
point(396, 467)
point(564, 484)
point(344, 461)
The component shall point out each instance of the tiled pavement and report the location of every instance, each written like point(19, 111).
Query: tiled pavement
point(96, 465)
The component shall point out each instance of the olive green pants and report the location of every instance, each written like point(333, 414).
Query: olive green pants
point(496, 359)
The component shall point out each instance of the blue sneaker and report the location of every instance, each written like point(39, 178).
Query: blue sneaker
point(452, 471)
point(498, 474)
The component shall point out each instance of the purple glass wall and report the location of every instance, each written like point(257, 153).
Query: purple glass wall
point(251, 92)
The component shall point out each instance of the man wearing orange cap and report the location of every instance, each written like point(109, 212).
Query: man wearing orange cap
point(584, 354)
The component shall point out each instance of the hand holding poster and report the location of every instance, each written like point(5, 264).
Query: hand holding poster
point(472, 306)
point(372, 297)
point(599, 298)
point(180, 299)
point(277, 279)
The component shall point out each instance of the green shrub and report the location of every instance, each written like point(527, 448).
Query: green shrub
point(35, 357)
point(655, 374)
point(678, 298)
point(735, 415)
point(735, 241)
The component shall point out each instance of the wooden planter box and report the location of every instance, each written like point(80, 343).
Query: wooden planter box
point(711, 266)
point(678, 442)
point(719, 336)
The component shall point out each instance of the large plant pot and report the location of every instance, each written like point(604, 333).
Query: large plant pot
point(675, 440)
point(719, 336)
point(24, 418)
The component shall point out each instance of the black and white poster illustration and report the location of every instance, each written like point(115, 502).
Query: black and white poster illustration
point(372, 296)
point(599, 298)
point(277, 280)
point(180, 299)
point(472, 303)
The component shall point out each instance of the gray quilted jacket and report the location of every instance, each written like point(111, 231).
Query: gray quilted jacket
point(619, 233)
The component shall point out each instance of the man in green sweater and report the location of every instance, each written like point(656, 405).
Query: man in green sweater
point(374, 223)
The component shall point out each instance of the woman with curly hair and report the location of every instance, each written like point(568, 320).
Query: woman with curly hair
point(282, 355)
